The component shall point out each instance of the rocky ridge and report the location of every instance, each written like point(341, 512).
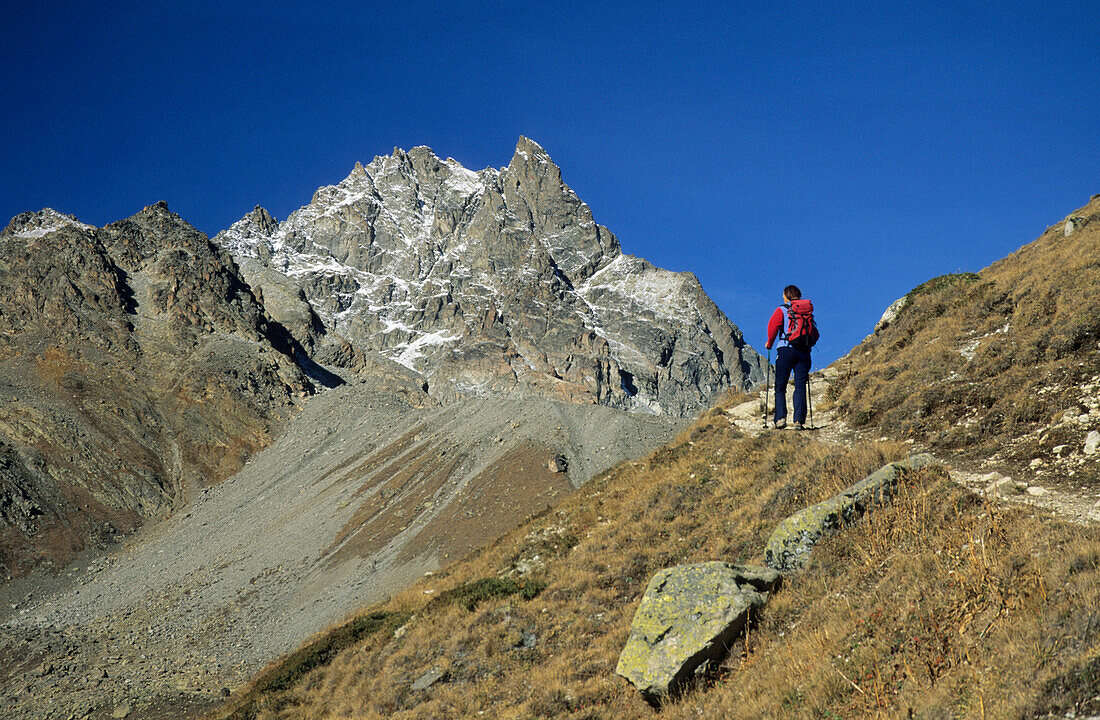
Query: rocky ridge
point(496, 281)
point(136, 366)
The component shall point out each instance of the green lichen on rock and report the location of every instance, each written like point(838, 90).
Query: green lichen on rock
point(789, 546)
point(688, 616)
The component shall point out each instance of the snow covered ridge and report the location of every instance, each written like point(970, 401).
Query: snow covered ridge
point(441, 268)
point(32, 225)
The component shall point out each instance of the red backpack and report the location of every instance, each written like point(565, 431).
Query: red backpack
point(801, 329)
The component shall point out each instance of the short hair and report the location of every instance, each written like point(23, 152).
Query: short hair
point(791, 292)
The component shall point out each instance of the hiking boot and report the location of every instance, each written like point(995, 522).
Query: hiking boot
point(799, 426)
point(780, 423)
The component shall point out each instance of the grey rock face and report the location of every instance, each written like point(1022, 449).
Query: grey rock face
point(135, 366)
point(499, 281)
point(688, 616)
point(793, 540)
point(891, 313)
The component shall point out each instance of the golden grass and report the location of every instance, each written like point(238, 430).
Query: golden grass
point(976, 362)
point(939, 603)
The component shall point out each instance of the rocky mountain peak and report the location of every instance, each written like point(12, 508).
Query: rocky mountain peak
point(530, 151)
point(497, 281)
point(30, 225)
point(259, 224)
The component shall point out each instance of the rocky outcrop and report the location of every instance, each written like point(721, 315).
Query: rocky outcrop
point(688, 617)
point(791, 543)
point(135, 365)
point(891, 313)
point(496, 281)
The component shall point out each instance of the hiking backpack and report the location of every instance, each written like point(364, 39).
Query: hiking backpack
point(801, 329)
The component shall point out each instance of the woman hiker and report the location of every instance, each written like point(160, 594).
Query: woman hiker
point(793, 354)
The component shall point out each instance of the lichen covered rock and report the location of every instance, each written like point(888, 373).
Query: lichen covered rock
point(688, 616)
point(789, 546)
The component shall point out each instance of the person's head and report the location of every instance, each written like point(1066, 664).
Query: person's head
point(791, 292)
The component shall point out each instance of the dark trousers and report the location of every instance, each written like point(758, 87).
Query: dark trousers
point(786, 360)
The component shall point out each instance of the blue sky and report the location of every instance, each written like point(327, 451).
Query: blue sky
point(855, 149)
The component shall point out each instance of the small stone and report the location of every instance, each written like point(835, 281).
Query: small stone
point(1036, 491)
point(122, 711)
point(429, 678)
point(1092, 443)
point(1059, 449)
point(1037, 462)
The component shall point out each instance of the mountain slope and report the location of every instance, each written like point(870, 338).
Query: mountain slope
point(135, 367)
point(499, 281)
point(357, 498)
point(942, 604)
point(1001, 364)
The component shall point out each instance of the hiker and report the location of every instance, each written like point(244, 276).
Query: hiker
point(792, 324)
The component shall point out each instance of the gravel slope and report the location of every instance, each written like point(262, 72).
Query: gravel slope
point(359, 496)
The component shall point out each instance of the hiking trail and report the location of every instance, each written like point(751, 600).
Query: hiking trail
point(1080, 505)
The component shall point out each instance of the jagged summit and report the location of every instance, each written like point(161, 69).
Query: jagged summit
point(30, 225)
point(498, 280)
point(528, 151)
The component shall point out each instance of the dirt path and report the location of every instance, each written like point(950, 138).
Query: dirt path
point(1079, 505)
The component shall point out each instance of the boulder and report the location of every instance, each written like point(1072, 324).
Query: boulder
point(891, 313)
point(789, 546)
point(1092, 443)
point(688, 617)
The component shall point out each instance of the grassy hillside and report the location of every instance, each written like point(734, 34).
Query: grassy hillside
point(1004, 363)
point(940, 603)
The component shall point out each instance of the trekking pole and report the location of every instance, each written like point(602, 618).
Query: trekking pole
point(767, 388)
point(809, 399)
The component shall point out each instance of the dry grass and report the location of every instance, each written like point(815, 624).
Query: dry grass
point(937, 603)
point(978, 363)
